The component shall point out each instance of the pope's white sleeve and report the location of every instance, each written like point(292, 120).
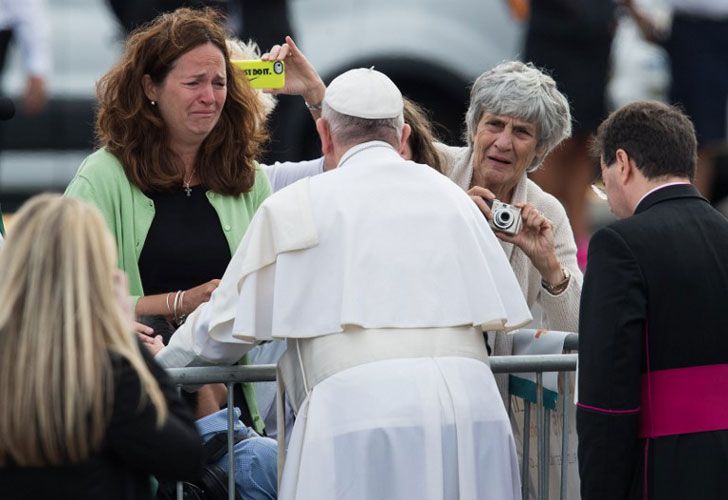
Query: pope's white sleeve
point(191, 344)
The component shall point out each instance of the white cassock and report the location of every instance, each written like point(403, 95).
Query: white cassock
point(382, 275)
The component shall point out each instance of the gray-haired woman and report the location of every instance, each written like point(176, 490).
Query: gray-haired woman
point(515, 118)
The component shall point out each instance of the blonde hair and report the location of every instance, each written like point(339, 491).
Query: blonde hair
point(60, 324)
point(240, 50)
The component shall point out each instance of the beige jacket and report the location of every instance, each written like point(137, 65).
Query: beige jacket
point(560, 312)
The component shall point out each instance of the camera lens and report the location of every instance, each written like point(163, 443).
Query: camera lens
point(502, 219)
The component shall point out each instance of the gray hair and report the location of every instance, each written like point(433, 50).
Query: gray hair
point(351, 130)
point(521, 91)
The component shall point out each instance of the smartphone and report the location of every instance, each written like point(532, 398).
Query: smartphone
point(263, 74)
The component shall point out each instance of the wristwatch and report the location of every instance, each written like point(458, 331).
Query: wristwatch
point(559, 287)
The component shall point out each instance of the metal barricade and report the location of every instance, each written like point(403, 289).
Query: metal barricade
point(230, 375)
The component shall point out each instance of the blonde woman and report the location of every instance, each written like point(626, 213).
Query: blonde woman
point(85, 412)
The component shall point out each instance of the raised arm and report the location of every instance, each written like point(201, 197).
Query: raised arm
point(301, 77)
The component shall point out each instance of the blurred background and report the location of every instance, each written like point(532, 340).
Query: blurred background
point(432, 49)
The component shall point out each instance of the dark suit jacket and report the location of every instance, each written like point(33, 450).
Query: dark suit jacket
point(655, 290)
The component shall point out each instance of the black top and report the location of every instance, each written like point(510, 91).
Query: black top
point(185, 245)
point(133, 449)
point(654, 298)
point(573, 20)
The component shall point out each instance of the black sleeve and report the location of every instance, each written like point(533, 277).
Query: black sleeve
point(173, 451)
point(611, 322)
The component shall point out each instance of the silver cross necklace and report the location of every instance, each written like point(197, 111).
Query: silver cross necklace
point(186, 182)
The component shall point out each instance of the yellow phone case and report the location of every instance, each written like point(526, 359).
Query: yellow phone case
point(263, 74)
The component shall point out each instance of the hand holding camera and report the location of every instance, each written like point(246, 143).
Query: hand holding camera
point(500, 216)
point(504, 217)
point(523, 225)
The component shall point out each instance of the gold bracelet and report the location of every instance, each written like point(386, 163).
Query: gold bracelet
point(559, 287)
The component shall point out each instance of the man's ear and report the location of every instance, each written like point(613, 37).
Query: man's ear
point(406, 131)
point(625, 166)
point(150, 90)
point(324, 132)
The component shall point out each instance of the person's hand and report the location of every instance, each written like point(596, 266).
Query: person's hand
point(34, 98)
point(197, 295)
point(145, 334)
point(143, 329)
point(536, 240)
point(477, 193)
point(301, 77)
point(154, 344)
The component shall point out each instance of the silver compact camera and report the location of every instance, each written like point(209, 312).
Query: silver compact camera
point(506, 218)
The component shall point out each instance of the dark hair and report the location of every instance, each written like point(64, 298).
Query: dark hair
point(133, 130)
point(422, 138)
point(658, 137)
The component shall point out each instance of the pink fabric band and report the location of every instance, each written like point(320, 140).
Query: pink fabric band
point(684, 401)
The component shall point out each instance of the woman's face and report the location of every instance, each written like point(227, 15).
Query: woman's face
point(191, 97)
point(503, 148)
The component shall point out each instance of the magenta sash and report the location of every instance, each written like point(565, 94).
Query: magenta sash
point(684, 401)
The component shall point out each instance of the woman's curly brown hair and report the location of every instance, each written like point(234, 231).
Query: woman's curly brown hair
point(129, 127)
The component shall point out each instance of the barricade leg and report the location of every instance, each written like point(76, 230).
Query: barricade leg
point(526, 449)
point(540, 434)
point(180, 489)
point(565, 435)
point(547, 452)
point(230, 441)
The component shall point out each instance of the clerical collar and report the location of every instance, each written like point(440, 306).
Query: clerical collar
point(361, 147)
point(658, 188)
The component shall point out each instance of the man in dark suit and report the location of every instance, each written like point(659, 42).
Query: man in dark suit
point(653, 348)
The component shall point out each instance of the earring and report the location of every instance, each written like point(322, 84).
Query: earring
point(153, 103)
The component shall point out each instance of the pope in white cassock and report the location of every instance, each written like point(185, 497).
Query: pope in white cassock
point(382, 275)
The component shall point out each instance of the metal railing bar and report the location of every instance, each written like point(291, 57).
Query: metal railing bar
point(267, 373)
point(199, 375)
point(533, 363)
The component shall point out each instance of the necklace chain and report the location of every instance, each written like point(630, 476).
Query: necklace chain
point(186, 183)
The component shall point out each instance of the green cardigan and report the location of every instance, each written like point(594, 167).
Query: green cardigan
point(101, 181)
